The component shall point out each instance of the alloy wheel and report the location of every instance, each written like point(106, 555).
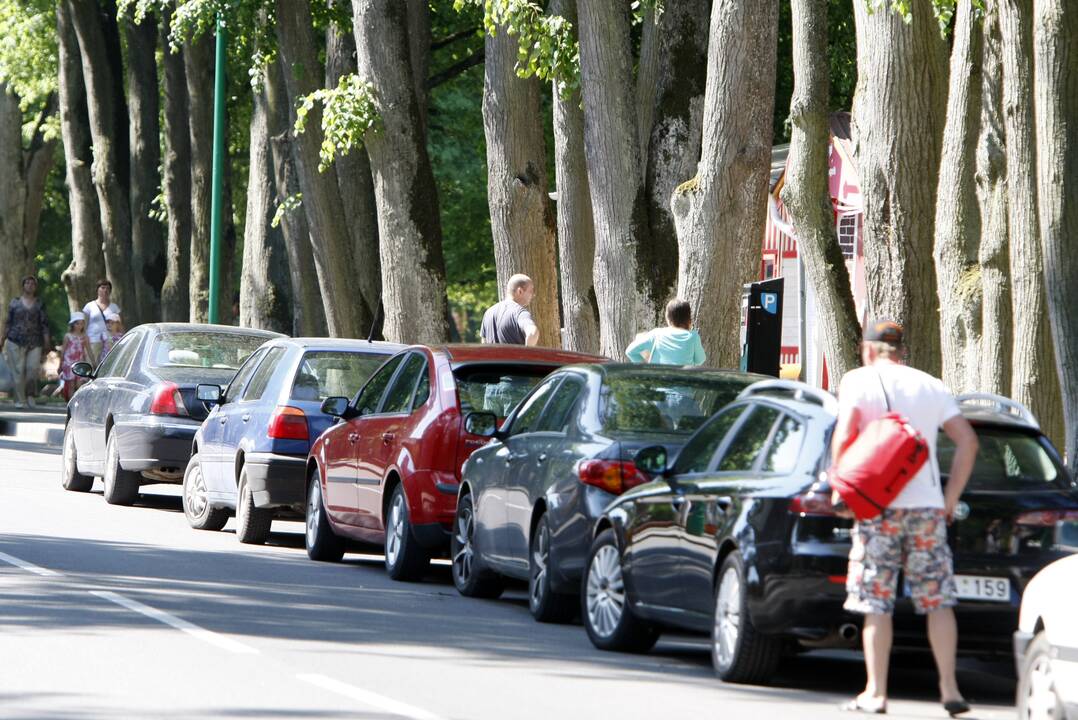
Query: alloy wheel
point(540, 560)
point(396, 529)
point(462, 560)
point(1041, 701)
point(605, 592)
point(728, 616)
point(194, 492)
point(69, 454)
point(314, 508)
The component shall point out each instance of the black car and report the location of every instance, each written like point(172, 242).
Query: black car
point(529, 499)
point(738, 538)
point(134, 422)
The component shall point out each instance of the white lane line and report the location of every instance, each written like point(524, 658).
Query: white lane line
point(367, 697)
point(191, 629)
point(29, 567)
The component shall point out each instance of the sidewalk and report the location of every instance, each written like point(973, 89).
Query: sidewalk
point(43, 425)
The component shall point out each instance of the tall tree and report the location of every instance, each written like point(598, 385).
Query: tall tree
point(720, 213)
point(806, 193)
point(198, 72)
point(898, 116)
point(409, 225)
point(178, 171)
point(1055, 72)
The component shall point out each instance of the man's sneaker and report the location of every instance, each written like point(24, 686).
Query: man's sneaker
point(30, 403)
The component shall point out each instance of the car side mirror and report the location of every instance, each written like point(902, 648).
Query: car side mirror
point(336, 406)
point(83, 370)
point(652, 460)
point(484, 424)
point(210, 394)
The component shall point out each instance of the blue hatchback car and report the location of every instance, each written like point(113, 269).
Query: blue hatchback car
point(249, 456)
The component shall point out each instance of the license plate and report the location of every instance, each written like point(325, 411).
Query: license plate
point(976, 587)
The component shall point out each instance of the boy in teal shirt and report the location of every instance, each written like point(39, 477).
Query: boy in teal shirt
point(675, 344)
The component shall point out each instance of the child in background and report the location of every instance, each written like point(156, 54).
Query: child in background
point(76, 348)
point(114, 329)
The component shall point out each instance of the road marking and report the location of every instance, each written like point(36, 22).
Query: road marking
point(29, 567)
point(368, 698)
point(191, 629)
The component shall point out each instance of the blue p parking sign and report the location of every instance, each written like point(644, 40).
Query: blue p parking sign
point(770, 302)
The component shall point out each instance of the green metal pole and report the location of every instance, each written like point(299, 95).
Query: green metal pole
point(217, 203)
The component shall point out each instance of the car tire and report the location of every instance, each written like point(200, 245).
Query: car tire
point(608, 617)
point(70, 476)
point(405, 559)
point(121, 486)
point(252, 523)
point(469, 576)
point(1037, 696)
point(739, 652)
point(196, 505)
point(322, 543)
point(546, 605)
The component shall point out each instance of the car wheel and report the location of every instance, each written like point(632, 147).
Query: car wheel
point(604, 603)
point(252, 523)
point(739, 652)
point(121, 486)
point(196, 505)
point(545, 604)
point(70, 476)
point(469, 577)
point(1038, 698)
point(405, 559)
point(322, 543)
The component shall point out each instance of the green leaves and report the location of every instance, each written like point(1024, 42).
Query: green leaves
point(348, 112)
point(942, 9)
point(28, 52)
point(291, 204)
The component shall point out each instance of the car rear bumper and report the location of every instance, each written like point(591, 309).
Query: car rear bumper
point(155, 443)
point(276, 480)
point(572, 517)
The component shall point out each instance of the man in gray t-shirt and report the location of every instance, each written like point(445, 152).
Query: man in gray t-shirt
point(509, 322)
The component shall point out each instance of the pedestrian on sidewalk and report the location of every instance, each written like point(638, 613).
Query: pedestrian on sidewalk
point(675, 344)
point(25, 333)
point(95, 317)
point(114, 330)
point(76, 348)
point(910, 536)
point(509, 322)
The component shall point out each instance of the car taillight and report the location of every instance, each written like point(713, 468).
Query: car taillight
point(614, 476)
point(1046, 518)
point(167, 400)
point(288, 423)
point(815, 501)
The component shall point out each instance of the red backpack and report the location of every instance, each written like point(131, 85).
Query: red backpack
point(874, 468)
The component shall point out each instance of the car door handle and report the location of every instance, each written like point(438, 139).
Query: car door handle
point(541, 459)
point(353, 438)
point(245, 418)
point(388, 437)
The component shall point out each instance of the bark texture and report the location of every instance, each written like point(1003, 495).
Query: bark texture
point(806, 193)
point(409, 225)
point(1034, 380)
point(898, 118)
point(647, 80)
point(419, 51)
point(1055, 57)
point(176, 183)
point(521, 215)
point(198, 67)
point(720, 213)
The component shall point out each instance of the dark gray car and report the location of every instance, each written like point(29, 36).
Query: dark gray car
point(529, 499)
point(133, 423)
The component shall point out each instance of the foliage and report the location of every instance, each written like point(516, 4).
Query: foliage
point(942, 9)
point(349, 111)
point(28, 56)
point(291, 204)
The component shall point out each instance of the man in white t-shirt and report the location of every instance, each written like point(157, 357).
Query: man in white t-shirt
point(910, 536)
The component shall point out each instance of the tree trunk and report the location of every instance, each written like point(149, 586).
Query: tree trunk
point(356, 185)
point(721, 213)
point(898, 118)
point(521, 216)
point(108, 127)
point(419, 40)
point(322, 202)
point(409, 224)
point(647, 80)
point(994, 258)
point(148, 262)
point(1055, 63)
point(806, 192)
point(576, 228)
point(176, 183)
point(1034, 380)
point(958, 219)
point(198, 57)
point(615, 175)
point(87, 263)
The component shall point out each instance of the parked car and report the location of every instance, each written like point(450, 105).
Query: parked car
point(735, 538)
point(134, 421)
point(529, 500)
point(250, 455)
point(1046, 644)
point(388, 473)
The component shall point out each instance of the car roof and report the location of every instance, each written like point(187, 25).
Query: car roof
point(321, 343)
point(460, 354)
point(645, 369)
point(195, 327)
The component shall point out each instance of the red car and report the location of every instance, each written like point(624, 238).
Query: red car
point(389, 470)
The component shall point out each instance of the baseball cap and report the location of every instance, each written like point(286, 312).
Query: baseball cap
point(883, 330)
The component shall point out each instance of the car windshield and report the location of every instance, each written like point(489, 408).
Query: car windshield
point(664, 402)
point(497, 389)
point(202, 349)
point(334, 374)
point(1007, 461)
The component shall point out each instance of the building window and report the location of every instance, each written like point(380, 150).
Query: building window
point(848, 226)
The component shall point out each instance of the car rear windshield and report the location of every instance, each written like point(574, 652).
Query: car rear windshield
point(202, 349)
point(1007, 461)
point(496, 389)
point(324, 374)
point(664, 402)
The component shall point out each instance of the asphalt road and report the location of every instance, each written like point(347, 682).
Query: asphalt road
point(110, 612)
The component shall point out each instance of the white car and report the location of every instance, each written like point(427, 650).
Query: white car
point(1046, 644)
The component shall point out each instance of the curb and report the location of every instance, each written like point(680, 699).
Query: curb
point(33, 428)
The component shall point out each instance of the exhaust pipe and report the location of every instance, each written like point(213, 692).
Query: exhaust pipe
point(848, 631)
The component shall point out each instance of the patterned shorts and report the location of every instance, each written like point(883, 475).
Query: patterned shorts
point(913, 541)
